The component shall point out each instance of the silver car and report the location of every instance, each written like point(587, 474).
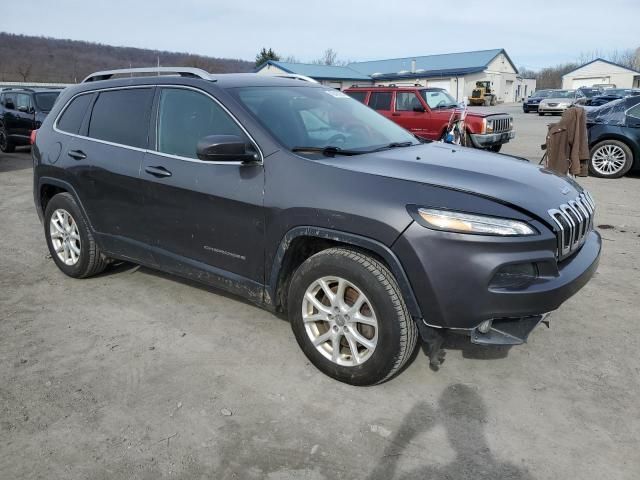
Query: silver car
point(557, 102)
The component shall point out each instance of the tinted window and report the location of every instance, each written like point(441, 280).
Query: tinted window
point(407, 101)
point(9, 100)
point(380, 100)
point(121, 116)
point(45, 101)
point(72, 117)
point(185, 117)
point(360, 96)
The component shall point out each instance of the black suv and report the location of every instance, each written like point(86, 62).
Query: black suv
point(22, 110)
point(306, 202)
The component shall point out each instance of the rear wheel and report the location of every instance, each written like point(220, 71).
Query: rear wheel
point(610, 159)
point(494, 100)
point(349, 318)
point(5, 144)
point(70, 241)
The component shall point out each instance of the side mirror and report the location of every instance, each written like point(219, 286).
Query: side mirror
point(419, 108)
point(225, 148)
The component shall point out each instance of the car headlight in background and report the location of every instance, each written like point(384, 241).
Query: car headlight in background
point(489, 128)
point(450, 221)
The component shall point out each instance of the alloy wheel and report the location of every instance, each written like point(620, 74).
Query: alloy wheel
point(608, 159)
point(340, 321)
point(65, 237)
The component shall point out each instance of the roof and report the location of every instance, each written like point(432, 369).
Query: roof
point(604, 61)
point(313, 70)
point(447, 63)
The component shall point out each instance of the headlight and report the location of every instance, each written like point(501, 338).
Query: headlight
point(489, 128)
point(459, 222)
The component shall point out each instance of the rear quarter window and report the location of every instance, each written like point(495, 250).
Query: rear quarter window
point(122, 116)
point(71, 119)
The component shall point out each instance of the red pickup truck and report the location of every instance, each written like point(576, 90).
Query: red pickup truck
point(426, 112)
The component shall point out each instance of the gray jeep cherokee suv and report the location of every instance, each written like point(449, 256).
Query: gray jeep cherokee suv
point(306, 202)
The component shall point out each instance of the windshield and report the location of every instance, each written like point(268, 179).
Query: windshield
point(563, 94)
point(45, 100)
point(438, 98)
point(590, 92)
point(618, 91)
point(319, 118)
point(542, 93)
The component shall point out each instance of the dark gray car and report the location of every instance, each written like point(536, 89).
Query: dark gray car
point(306, 202)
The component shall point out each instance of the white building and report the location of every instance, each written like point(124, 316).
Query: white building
point(601, 72)
point(455, 72)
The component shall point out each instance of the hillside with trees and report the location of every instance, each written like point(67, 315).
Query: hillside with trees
point(41, 59)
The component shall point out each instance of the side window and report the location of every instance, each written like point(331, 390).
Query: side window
point(406, 101)
point(360, 96)
point(185, 117)
point(71, 119)
point(634, 111)
point(23, 101)
point(10, 101)
point(380, 100)
point(122, 116)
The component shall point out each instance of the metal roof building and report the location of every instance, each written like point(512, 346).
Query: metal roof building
point(455, 72)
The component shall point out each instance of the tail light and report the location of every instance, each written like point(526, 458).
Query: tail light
point(32, 137)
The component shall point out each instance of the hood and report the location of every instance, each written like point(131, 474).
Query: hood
point(507, 180)
point(557, 100)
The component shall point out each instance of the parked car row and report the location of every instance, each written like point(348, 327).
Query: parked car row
point(556, 101)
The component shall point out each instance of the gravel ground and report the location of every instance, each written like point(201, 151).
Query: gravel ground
point(139, 375)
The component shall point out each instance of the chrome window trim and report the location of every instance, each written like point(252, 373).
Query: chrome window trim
point(155, 152)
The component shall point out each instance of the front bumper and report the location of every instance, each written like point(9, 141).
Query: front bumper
point(451, 274)
point(489, 139)
point(530, 107)
point(549, 109)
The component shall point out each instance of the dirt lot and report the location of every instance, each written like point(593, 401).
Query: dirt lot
point(135, 374)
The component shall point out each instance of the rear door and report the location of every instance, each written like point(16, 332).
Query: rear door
point(381, 103)
point(410, 113)
point(24, 115)
point(106, 157)
point(202, 214)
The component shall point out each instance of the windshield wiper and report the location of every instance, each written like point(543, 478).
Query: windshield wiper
point(392, 145)
point(329, 151)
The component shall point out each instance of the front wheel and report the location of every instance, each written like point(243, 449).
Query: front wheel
point(495, 148)
point(5, 144)
point(610, 159)
point(349, 317)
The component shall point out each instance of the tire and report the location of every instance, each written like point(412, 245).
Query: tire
point(541, 114)
point(525, 110)
point(495, 148)
point(610, 159)
point(486, 102)
point(363, 279)
point(89, 260)
point(494, 101)
point(5, 144)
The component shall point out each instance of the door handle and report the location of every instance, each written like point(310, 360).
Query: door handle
point(395, 114)
point(158, 171)
point(77, 154)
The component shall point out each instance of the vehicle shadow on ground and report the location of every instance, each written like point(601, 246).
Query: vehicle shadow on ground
point(471, 350)
point(463, 414)
point(20, 160)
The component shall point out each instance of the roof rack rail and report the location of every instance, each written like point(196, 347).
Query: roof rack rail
point(181, 71)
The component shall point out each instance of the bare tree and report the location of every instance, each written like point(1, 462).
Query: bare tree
point(24, 70)
point(329, 57)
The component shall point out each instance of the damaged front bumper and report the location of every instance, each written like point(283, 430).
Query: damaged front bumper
point(487, 140)
point(507, 331)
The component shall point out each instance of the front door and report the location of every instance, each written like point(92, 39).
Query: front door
point(410, 113)
point(202, 216)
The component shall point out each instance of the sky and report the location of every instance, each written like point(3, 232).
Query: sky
point(534, 34)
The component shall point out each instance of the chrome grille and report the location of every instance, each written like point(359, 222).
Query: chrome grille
point(574, 220)
point(501, 124)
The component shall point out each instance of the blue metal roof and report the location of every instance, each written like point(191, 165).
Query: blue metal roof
point(464, 62)
point(442, 65)
point(323, 72)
